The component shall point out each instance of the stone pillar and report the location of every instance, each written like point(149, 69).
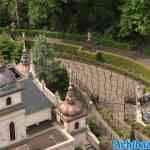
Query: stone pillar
point(139, 95)
point(88, 43)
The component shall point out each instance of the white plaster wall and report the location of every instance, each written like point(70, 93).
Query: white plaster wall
point(37, 117)
point(19, 120)
point(70, 127)
point(15, 98)
point(64, 146)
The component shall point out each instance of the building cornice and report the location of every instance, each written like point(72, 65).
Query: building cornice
point(11, 109)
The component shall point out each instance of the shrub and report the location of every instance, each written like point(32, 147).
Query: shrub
point(146, 130)
point(107, 40)
point(122, 133)
point(147, 51)
point(107, 114)
point(147, 89)
point(138, 126)
point(116, 62)
point(105, 143)
point(94, 129)
point(79, 148)
point(99, 57)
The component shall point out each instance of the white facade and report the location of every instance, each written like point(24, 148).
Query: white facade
point(37, 117)
point(70, 126)
point(79, 134)
point(15, 99)
point(18, 118)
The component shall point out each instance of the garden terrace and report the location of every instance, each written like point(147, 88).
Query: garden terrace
point(115, 62)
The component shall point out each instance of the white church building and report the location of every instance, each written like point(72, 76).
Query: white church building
point(29, 119)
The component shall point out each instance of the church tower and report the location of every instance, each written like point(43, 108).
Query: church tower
point(12, 112)
point(72, 116)
point(24, 66)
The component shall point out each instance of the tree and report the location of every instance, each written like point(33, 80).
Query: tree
point(10, 49)
point(10, 11)
point(54, 75)
point(39, 11)
point(42, 56)
point(4, 16)
point(58, 79)
point(135, 18)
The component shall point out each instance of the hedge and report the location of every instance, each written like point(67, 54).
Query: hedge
point(34, 32)
point(116, 62)
point(105, 40)
point(146, 51)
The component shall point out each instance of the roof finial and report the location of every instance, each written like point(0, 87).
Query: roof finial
point(24, 45)
point(25, 58)
point(70, 78)
point(70, 92)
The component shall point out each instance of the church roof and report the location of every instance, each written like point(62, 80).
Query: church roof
point(33, 98)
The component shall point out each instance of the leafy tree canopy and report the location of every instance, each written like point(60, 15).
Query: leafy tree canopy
point(10, 48)
point(135, 18)
point(47, 69)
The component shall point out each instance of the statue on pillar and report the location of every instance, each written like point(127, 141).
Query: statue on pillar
point(88, 44)
point(12, 30)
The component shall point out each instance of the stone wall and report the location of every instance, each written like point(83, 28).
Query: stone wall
point(110, 88)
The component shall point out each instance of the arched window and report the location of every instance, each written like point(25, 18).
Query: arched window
point(8, 101)
point(76, 126)
point(12, 131)
point(61, 122)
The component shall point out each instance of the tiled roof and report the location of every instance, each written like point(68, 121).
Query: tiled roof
point(33, 98)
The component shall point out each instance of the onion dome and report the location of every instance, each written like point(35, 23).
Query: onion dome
point(70, 107)
point(24, 66)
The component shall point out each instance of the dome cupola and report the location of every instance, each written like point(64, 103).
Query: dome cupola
point(70, 106)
